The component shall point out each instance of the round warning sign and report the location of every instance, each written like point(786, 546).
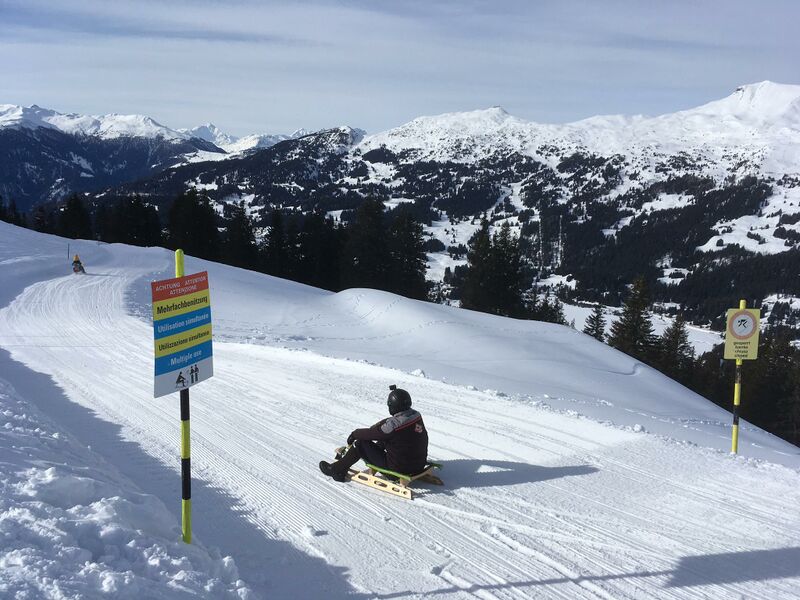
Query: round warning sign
point(742, 325)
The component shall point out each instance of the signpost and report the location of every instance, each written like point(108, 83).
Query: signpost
point(741, 343)
point(183, 355)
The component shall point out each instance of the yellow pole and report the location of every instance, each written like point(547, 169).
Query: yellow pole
point(178, 263)
point(737, 396)
point(186, 477)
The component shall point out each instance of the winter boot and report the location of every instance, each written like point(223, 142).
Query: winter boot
point(344, 460)
point(331, 471)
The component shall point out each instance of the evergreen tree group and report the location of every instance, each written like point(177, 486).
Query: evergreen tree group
point(128, 221)
point(192, 226)
point(10, 214)
point(74, 221)
point(494, 282)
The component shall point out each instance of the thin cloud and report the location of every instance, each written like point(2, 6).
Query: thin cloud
point(22, 20)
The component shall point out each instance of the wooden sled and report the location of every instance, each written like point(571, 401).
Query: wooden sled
point(392, 482)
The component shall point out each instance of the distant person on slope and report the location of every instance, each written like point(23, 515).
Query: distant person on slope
point(77, 266)
point(398, 443)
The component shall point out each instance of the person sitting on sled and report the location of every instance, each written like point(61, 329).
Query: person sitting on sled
point(398, 443)
point(77, 266)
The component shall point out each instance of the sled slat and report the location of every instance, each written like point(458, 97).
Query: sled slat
point(365, 478)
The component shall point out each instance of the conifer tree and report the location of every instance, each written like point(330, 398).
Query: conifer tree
point(633, 332)
point(506, 273)
point(42, 220)
point(790, 409)
point(239, 242)
point(407, 257)
point(12, 214)
point(141, 222)
point(766, 382)
point(75, 221)
point(596, 324)
point(193, 225)
point(275, 256)
point(550, 310)
point(477, 292)
point(675, 353)
point(366, 256)
point(293, 250)
point(102, 222)
point(320, 249)
point(3, 215)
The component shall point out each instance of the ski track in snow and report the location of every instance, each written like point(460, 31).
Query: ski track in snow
point(536, 503)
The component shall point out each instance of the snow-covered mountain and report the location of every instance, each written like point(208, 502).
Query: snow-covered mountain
point(571, 470)
point(107, 127)
point(238, 145)
point(211, 133)
point(45, 155)
point(758, 123)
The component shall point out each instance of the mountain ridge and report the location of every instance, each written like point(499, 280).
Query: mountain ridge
point(759, 102)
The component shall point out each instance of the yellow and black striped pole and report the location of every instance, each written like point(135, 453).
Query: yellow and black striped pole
point(737, 396)
point(186, 474)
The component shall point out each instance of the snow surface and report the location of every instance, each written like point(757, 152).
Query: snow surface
point(570, 469)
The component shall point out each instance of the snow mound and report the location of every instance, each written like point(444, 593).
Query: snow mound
point(71, 526)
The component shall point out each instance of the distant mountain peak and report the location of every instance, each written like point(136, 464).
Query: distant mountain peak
point(764, 102)
point(211, 133)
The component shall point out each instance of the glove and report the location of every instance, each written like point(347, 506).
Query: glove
point(350, 439)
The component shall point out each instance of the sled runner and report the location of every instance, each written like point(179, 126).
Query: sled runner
point(392, 482)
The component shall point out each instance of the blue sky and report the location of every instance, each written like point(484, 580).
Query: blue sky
point(272, 67)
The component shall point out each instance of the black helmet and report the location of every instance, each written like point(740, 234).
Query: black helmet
point(398, 401)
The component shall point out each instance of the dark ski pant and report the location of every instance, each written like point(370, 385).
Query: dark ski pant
point(372, 453)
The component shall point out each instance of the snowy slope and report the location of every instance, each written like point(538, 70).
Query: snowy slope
point(571, 470)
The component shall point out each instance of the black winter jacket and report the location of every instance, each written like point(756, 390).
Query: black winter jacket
point(405, 439)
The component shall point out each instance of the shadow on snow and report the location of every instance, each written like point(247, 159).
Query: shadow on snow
point(478, 473)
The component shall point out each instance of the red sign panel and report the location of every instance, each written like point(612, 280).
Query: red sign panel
point(180, 286)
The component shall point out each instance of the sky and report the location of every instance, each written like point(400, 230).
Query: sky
point(253, 66)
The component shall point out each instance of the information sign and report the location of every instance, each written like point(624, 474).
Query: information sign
point(181, 332)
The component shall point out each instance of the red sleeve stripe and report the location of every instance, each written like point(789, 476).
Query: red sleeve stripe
point(411, 422)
